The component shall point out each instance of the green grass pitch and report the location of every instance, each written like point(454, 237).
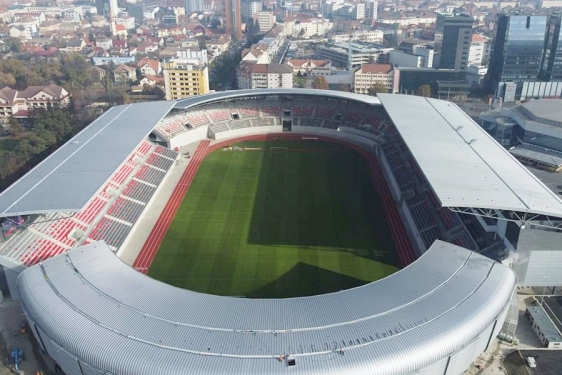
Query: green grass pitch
point(274, 224)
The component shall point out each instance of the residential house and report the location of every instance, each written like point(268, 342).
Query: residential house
point(311, 67)
point(151, 80)
point(124, 74)
point(150, 67)
point(18, 103)
point(104, 43)
point(75, 45)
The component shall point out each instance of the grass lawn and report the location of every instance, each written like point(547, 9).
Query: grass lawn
point(280, 224)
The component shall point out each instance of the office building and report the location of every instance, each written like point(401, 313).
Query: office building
point(249, 8)
point(361, 53)
point(370, 75)
point(551, 67)
point(453, 34)
point(517, 54)
point(192, 6)
point(233, 19)
point(113, 8)
point(182, 79)
point(266, 21)
point(371, 9)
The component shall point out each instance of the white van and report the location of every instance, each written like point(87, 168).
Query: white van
point(531, 362)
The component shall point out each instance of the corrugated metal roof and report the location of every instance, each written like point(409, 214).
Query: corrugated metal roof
point(539, 154)
point(209, 98)
point(464, 165)
point(118, 320)
point(68, 178)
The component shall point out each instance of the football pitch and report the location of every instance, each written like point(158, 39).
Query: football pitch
point(301, 219)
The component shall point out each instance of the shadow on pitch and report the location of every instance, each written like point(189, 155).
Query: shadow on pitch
point(299, 203)
point(305, 280)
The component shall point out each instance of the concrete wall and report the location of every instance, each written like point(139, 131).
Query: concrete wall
point(191, 136)
point(248, 131)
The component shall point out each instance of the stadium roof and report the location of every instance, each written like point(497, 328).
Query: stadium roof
point(464, 165)
point(209, 98)
point(96, 307)
point(68, 178)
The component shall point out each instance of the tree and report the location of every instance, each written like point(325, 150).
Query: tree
point(299, 81)
point(14, 44)
point(376, 89)
point(257, 27)
point(424, 90)
point(320, 83)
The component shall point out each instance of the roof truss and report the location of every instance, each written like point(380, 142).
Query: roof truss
point(525, 218)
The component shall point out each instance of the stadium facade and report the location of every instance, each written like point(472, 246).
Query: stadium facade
point(456, 190)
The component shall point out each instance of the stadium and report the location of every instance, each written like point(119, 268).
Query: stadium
point(384, 218)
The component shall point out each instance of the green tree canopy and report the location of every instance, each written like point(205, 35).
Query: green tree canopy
point(424, 90)
point(376, 89)
point(320, 83)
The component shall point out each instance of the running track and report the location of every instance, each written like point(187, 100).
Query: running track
point(150, 247)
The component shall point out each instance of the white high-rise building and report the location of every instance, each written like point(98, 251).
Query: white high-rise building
point(192, 6)
point(113, 8)
point(249, 8)
point(371, 9)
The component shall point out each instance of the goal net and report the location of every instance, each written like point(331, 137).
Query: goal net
point(278, 149)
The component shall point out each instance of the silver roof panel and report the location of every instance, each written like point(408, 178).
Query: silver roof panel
point(119, 320)
point(464, 165)
point(223, 95)
point(68, 178)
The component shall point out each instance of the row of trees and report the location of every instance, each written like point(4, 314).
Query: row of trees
point(46, 130)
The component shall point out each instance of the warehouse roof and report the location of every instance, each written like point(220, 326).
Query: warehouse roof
point(464, 165)
point(417, 316)
point(68, 178)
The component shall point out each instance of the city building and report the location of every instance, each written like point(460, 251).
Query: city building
point(371, 9)
point(124, 74)
point(264, 76)
point(266, 21)
point(182, 79)
point(422, 59)
point(479, 52)
point(518, 54)
point(475, 74)
point(370, 75)
point(369, 36)
point(192, 6)
point(544, 326)
point(453, 33)
point(18, 103)
point(537, 123)
point(551, 67)
point(358, 11)
point(150, 67)
point(361, 53)
point(311, 67)
point(307, 27)
point(233, 19)
point(249, 8)
point(113, 8)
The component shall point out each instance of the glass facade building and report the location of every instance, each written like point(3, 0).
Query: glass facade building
point(527, 50)
point(552, 63)
point(453, 35)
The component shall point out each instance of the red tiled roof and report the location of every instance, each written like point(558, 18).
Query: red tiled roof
point(375, 68)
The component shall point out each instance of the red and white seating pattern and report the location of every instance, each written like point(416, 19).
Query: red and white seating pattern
point(219, 115)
